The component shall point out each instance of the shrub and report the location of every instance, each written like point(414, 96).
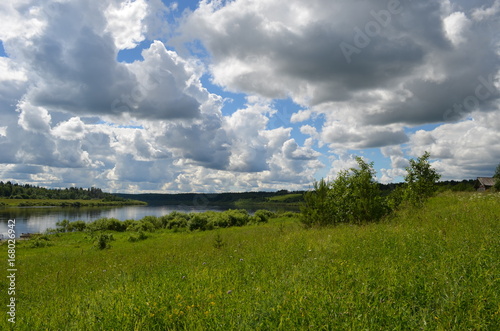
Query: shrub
point(395, 198)
point(198, 221)
point(237, 217)
point(219, 220)
point(39, 241)
point(103, 241)
point(155, 221)
point(63, 226)
point(316, 209)
point(77, 226)
point(262, 216)
point(140, 236)
point(138, 226)
point(420, 181)
point(353, 197)
point(102, 224)
point(177, 222)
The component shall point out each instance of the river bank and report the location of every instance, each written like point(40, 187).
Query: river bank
point(4, 202)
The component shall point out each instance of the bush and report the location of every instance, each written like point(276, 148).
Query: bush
point(395, 198)
point(144, 226)
point(77, 226)
point(262, 216)
point(177, 222)
point(198, 221)
point(237, 217)
point(420, 181)
point(155, 221)
point(353, 197)
point(103, 241)
point(316, 208)
point(103, 224)
point(37, 242)
point(63, 226)
point(141, 236)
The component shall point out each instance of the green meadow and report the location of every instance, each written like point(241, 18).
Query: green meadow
point(432, 268)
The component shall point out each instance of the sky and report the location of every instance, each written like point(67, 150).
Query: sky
point(245, 95)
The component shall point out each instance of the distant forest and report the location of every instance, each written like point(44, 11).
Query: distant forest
point(18, 191)
point(230, 198)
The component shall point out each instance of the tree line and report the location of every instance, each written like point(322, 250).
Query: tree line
point(17, 191)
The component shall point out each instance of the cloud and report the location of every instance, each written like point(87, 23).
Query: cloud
point(71, 62)
point(466, 149)
point(484, 12)
point(72, 114)
point(72, 129)
point(34, 119)
point(455, 25)
point(124, 23)
point(407, 71)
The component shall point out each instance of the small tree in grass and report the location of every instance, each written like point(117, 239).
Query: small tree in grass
point(355, 195)
point(420, 180)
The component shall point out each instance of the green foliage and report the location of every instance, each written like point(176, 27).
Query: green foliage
point(395, 198)
point(353, 197)
point(141, 225)
point(356, 198)
point(77, 226)
point(63, 226)
point(316, 209)
point(497, 177)
point(103, 224)
point(39, 241)
point(420, 181)
point(262, 216)
point(102, 241)
point(67, 226)
point(198, 221)
point(218, 241)
point(140, 236)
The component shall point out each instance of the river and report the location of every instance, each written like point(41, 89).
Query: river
point(38, 219)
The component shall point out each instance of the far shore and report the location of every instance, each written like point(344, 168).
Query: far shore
point(67, 203)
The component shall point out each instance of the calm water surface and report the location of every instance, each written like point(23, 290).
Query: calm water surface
point(38, 219)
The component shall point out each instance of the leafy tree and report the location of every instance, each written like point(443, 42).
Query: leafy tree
point(420, 180)
point(497, 176)
point(356, 196)
point(316, 209)
point(353, 197)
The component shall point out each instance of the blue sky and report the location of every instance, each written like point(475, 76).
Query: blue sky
point(215, 96)
point(2, 50)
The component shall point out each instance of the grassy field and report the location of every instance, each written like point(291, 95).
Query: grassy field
point(65, 203)
point(436, 268)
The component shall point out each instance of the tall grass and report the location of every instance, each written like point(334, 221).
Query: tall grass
point(435, 268)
